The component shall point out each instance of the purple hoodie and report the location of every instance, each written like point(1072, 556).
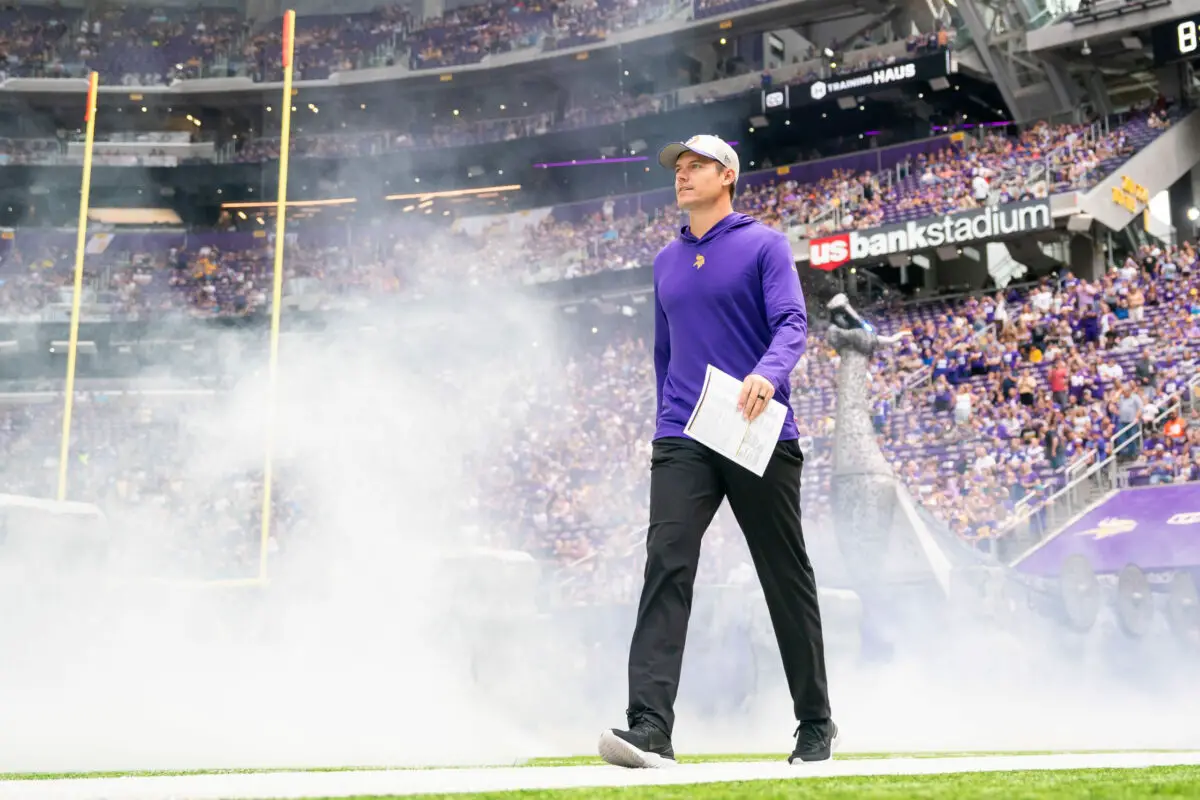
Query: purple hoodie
point(731, 299)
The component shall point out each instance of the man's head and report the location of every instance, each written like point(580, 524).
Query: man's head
point(706, 171)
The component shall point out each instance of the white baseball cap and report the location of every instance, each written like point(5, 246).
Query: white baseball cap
point(706, 145)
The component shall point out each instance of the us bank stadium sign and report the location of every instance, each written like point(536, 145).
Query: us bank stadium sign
point(951, 230)
point(901, 73)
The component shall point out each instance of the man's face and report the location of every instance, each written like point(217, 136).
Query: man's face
point(700, 181)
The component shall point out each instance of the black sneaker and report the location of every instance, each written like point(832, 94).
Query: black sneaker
point(815, 741)
point(642, 747)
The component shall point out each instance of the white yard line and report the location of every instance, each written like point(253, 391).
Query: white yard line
point(259, 786)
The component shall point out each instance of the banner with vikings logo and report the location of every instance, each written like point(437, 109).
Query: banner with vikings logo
point(1156, 528)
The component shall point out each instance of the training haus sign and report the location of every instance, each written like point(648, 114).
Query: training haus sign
point(901, 73)
point(993, 222)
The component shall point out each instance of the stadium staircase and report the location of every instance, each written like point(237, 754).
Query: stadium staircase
point(1165, 159)
point(1089, 479)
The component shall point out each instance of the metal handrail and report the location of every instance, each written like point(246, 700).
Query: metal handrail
point(1024, 509)
point(1176, 405)
point(1193, 392)
point(918, 377)
point(1073, 469)
point(1116, 441)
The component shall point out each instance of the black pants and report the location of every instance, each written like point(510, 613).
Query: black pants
point(687, 484)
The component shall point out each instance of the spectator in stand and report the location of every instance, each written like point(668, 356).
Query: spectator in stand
point(1175, 428)
point(1057, 379)
point(1129, 411)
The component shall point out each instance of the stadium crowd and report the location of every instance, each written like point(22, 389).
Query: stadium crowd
point(1025, 385)
point(983, 411)
point(951, 175)
point(230, 279)
point(148, 46)
point(592, 107)
point(945, 177)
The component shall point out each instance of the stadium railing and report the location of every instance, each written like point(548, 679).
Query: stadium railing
point(1035, 519)
point(1079, 466)
point(1133, 433)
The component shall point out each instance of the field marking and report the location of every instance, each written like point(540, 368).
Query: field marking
point(298, 785)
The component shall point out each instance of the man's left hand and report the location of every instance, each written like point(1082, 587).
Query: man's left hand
point(757, 391)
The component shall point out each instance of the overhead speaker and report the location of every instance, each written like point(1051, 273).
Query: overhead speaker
point(1135, 602)
point(1183, 609)
point(1080, 594)
point(1079, 223)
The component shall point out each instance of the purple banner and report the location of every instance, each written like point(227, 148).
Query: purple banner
point(1155, 527)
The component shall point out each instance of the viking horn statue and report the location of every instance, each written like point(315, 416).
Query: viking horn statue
point(863, 484)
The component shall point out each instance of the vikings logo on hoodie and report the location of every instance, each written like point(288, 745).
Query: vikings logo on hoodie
point(743, 313)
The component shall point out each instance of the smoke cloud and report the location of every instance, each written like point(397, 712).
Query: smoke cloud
point(377, 643)
point(373, 645)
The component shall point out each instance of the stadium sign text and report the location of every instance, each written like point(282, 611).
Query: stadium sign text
point(880, 77)
point(922, 68)
point(830, 252)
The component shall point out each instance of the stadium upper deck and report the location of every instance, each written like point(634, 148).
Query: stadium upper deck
point(169, 49)
point(1070, 25)
point(447, 133)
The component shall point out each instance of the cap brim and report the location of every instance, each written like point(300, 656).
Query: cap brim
point(671, 153)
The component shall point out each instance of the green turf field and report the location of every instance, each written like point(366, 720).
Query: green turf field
point(572, 761)
point(1107, 784)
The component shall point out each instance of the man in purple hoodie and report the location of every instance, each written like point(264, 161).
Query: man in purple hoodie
point(726, 293)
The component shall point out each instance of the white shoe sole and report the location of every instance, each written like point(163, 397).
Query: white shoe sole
point(833, 747)
point(620, 753)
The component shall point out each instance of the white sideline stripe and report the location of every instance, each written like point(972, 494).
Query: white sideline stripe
point(259, 786)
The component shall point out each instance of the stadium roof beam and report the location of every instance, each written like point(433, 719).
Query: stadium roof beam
point(1032, 88)
point(1139, 15)
point(878, 19)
